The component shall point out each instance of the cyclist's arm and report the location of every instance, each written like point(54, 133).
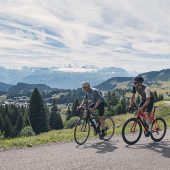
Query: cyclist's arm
point(99, 99)
point(85, 101)
point(97, 104)
point(132, 99)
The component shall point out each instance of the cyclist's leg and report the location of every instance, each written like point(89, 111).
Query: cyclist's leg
point(141, 104)
point(147, 134)
point(101, 115)
point(149, 112)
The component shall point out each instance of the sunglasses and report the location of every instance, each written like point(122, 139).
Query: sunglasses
point(135, 82)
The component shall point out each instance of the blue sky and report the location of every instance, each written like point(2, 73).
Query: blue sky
point(131, 34)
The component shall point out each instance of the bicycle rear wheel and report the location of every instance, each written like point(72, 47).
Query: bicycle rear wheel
point(158, 129)
point(109, 128)
point(132, 131)
point(82, 131)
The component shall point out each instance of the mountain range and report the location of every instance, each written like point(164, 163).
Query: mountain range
point(109, 84)
point(67, 77)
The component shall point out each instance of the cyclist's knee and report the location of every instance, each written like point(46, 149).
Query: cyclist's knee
point(101, 118)
point(148, 114)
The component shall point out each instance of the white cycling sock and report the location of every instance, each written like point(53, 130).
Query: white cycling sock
point(150, 125)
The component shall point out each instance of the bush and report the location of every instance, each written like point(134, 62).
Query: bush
point(1, 135)
point(71, 122)
point(27, 131)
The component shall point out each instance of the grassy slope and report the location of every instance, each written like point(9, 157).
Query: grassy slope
point(67, 134)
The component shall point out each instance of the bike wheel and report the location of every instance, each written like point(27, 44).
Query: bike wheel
point(109, 127)
point(132, 131)
point(158, 129)
point(81, 131)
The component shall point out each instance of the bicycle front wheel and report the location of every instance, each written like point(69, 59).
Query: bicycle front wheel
point(158, 129)
point(109, 128)
point(132, 131)
point(82, 131)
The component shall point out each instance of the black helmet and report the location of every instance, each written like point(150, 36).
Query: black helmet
point(138, 79)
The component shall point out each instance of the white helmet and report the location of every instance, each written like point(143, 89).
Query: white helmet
point(85, 84)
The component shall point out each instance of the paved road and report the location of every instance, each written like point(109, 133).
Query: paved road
point(94, 155)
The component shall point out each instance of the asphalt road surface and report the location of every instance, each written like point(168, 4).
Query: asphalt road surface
point(94, 155)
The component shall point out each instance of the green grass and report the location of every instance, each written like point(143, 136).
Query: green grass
point(66, 135)
point(52, 136)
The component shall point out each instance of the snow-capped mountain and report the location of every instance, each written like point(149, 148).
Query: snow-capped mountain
point(61, 76)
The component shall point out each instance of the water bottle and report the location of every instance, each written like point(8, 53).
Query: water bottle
point(94, 121)
point(85, 114)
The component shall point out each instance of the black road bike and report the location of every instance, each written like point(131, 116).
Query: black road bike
point(89, 119)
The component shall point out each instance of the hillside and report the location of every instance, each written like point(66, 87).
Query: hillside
point(4, 87)
point(157, 79)
point(25, 88)
point(162, 75)
point(115, 82)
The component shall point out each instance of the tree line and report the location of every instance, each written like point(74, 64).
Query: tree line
point(15, 120)
point(37, 116)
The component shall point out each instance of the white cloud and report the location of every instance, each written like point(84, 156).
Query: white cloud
point(132, 34)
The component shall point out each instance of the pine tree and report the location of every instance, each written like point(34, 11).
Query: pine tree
point(37, 114)
point(123, 106)
point(74, 107)
point(7, 127)
point(138, 100)
point(111, 99)
point(19, 125)
point(68, 113)
point(161, 97)
point(13, 114)
point(55, 118)
point(1, 122)
point(156, 98)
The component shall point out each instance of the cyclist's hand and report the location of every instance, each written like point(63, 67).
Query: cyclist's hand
point(79, 107)
point(129, 109)
point(141, 110)
point(93, 110)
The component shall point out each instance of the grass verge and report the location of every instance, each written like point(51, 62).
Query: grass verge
point(66, 135)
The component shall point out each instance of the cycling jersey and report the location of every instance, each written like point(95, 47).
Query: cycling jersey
point(94, 95)
point(143, 91)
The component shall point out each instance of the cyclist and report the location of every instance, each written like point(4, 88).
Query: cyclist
point(147, 100)
point(98, 103)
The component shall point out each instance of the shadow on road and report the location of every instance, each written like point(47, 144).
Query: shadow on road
point(101, 147)
point(160, 147)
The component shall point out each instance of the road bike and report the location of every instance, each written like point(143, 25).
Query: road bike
point(132, 128)
point(89, 119)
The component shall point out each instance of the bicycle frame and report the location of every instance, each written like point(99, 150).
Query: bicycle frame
point(89, 118)
point(96, 128)
point(143, 116)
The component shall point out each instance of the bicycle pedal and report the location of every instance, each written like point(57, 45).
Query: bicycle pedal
point(147, 133)
point(106, 128)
